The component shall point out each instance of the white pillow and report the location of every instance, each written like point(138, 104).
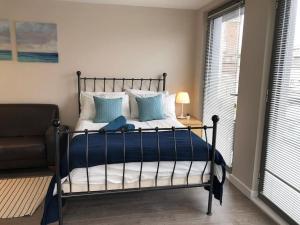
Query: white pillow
point(169, 105)
point(88, 111)
point(168, 101)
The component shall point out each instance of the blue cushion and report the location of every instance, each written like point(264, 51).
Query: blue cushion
point(115, 124)
point(107, 109)
point(150, 108)
point(128, 127)
point(118, 124)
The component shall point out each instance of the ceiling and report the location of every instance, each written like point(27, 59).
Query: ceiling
point(176, 4)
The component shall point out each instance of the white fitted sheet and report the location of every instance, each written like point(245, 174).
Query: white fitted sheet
point(78, 176)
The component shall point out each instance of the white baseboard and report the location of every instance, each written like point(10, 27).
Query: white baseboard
point(253, 196)
point(241, 186)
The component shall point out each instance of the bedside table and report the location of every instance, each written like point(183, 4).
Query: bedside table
point(193, 122)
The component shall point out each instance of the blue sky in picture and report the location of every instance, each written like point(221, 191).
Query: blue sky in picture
point(5, 42)
point(36, 42)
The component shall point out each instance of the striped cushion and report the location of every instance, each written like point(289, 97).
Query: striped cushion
point(150, 108)
point(107, 109)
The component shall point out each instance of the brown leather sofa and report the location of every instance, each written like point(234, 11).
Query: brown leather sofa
point(27, 137)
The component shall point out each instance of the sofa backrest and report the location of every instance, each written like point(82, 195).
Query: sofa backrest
point(26, 119)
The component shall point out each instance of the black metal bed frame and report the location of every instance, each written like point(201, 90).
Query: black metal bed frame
point(132, 81)
point(61, 195)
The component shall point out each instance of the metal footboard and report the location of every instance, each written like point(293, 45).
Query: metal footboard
point(140, 131)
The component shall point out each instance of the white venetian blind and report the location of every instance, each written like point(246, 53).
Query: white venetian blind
point(225, 31)
point(280, 183)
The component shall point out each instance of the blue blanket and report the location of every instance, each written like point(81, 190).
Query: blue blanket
point(96, 155)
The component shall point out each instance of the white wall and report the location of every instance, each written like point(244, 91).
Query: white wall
point(254, 73)
point(99, 40)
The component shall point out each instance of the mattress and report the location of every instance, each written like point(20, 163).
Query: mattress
point(78, 176)
point(132, 173)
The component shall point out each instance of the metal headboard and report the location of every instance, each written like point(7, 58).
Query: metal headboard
point(156, 82)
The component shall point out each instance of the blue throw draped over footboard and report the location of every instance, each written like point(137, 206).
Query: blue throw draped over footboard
point(96, 155)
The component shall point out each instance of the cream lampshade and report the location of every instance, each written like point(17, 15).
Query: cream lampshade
point(182, 98)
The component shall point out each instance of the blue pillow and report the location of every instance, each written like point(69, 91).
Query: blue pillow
point(150, 108)
point(107, 109)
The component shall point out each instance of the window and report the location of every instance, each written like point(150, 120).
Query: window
point(280, 170)
point(225, 30)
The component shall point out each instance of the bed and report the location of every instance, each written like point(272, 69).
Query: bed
point(155, 155)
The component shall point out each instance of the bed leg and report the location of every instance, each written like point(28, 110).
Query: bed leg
point(56, 124)
point(209, 204)
point(60, 215)
point(215, 120)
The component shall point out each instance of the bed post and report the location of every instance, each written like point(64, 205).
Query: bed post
point(215, 120)
point(56, 125)
point(79, 89)
point(164, 81)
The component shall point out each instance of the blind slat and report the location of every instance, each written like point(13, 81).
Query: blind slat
point(221, 77)
point(281, 165)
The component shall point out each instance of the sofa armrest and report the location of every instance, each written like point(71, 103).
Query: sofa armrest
point(50, 143)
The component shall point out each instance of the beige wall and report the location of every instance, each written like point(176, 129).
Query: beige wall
point(254, 72)
point(99, 39)
point(255, 64)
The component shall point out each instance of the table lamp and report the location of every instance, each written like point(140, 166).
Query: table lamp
point(182, 98)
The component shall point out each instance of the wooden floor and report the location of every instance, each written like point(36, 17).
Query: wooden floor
point(175, 207)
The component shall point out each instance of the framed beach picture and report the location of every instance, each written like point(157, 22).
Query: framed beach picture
point(5, 41)
point(36, 42)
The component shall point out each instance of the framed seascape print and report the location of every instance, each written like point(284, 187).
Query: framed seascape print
point(36, 42)
point(5, 41)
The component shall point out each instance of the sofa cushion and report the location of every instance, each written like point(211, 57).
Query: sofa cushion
point(22, 164)
point(22, 148)
point(26, 119)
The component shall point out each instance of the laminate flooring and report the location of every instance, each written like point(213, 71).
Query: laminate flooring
point(169, 207)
